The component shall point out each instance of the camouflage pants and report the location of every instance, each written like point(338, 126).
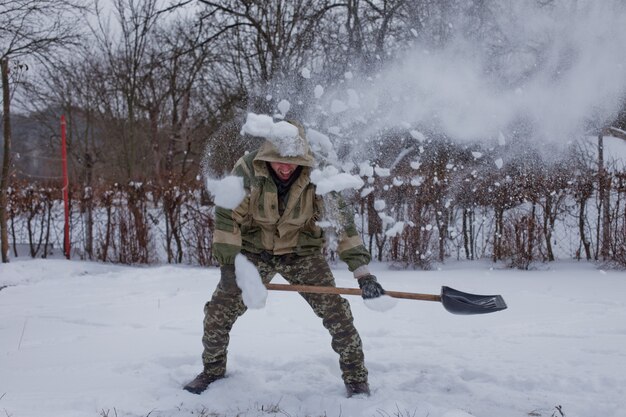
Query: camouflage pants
point(225, 307)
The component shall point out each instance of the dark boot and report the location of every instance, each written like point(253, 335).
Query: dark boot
point(357, 388)
point(200, 383)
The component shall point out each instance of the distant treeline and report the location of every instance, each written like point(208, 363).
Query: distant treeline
point(440, 202)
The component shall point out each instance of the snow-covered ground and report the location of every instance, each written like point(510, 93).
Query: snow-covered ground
point(88, 339)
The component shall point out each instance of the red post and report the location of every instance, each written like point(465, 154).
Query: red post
point(66, 187)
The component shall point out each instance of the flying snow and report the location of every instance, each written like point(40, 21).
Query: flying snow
point(228, 192)
point(417, 135)
point(330, 179)
point(555, 55)
point(501, 139)
point(321, 143)
point(253, 291)
point(382, 172)
point(353, 99)
point(366, 191)
point(283, 107)
point(365, 169)
point(338, 106)
point(382, 303)
point(380, 205)
point(318, 91)
point(395, 230)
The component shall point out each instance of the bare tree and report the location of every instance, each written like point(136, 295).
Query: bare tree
point(126, 56)
point(274, 36)
point(6, 160)
point(604, 190)
point(268, 42)
point(176, 64)
point(28, 31)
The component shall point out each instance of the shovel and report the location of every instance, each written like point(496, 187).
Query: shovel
point(455, 301)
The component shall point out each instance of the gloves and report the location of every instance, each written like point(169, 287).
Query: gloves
point(370, 288)
point(228, 281)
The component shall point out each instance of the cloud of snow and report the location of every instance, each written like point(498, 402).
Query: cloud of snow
point(549, 72)
point(557, 70)
point(253, 291)
point(228, 192)
point(338, 106)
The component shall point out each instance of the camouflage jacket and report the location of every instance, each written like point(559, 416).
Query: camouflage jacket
point(256, 225)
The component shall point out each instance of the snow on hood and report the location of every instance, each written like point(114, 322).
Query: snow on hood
point(285, 142)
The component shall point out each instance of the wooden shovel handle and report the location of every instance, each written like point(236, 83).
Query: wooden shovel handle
point(349, 291)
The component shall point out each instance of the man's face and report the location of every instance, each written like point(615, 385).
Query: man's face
point(283, 170)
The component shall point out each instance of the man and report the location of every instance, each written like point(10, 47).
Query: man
point(276, 228)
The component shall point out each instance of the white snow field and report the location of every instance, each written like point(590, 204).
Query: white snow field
point(89, 339)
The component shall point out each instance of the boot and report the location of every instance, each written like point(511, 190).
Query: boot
point(201, 382)
point(357, 388)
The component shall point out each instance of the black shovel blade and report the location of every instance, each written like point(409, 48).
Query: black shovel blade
point(458, 302)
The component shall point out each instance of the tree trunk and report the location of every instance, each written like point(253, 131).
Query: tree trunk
point(442, 228)
point(472, 236)
point(13, 236)
point(153, 115)
point(46, 243)
point(87, 208)
point(581, 229)
point(4, 177)
point(547, 228)
point(531, 234)
point(604, 191)
point(88, 218)
point(497, 235)
point(465, 233)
